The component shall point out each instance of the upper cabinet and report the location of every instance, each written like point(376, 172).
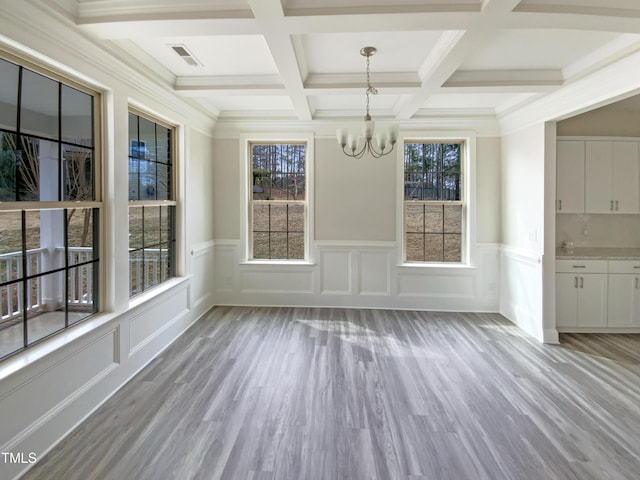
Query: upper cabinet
point(612, 180)
point(570, 176)
point(598, 176)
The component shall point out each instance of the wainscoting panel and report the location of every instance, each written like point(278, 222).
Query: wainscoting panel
point(521, 290)
point(360, 275)
point(151, 321)
point(335, 271)
point(422, 284)
point(58, 383)
point(276, 280)
point(374, 276)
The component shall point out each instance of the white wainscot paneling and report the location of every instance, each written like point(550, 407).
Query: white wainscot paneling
point(151, 322)
point(521, 290)
point(426, 282)
point(374, 272)
point(335, 270)
point(38, 399)
point(266, 279)
point(202, 269)
point(226, 265)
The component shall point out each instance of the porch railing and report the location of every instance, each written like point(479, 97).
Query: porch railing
point(80, 284)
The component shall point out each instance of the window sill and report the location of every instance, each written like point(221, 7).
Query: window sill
point(153, 292)
point(57, 341)
point(437, 266)
point(278, 263)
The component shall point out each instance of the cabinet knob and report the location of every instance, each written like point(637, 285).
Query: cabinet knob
point(575, 283)
point(559, 204)
point(581, 282)
point(616, 205)
point(611, 206)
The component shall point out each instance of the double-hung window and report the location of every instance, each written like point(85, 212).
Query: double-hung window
point(50, 202)
point(434, 201)
point(277, 182)
point(152, 205)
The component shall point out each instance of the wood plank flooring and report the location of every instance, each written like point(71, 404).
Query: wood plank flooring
point(302, 393)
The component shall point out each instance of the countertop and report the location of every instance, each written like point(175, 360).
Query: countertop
point(598, 253)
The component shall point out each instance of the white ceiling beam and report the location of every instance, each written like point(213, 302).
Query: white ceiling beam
point(504, 78)
point(444, 59)
point(283, 51)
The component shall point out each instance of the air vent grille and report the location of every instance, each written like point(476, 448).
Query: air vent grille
point(186, 55)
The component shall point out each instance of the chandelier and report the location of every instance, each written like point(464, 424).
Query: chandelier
point(374, 144)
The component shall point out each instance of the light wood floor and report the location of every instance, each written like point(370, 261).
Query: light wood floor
point(295, 393)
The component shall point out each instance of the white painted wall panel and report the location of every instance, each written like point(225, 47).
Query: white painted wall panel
point(23, 408)
point(373, 273)
point(264, 279)
point(336, 272)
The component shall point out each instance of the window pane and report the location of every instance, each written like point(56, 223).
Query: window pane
point(164, 182)
point(147, 180)
point(80, 298)
point(136, 272)
point(45, 233)
point(296, 246)
point(134, 179)
point(147, 139)
point(279, 214)
point(296, 187)
point(9, 95)
point(279, 246)
point(38, 174)
point(10, 240)
point(77, 117)
point(453, 248)
point(165, 225)
point(296, 218)
point(453, 218)
point(261, 217)
point(39, 105)
point(415, 247)
point(164, 146)
point(7, 167)
point(433, 218)
point(45, 307)
point(80, 235)
point(78, 173)
point(433, 248)
point(261, 245)
point(135, 228)
point(165, 258)
point(11, 329)
point(414, 218)
point(152, 267)
point(151, 226)
point(134, 146)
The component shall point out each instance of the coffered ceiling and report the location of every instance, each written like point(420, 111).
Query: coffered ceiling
point(300, 60)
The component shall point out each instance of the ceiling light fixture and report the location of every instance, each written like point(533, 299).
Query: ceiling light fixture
point(383, 143)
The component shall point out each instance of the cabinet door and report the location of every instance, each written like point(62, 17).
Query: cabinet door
point(626, 177)
point(598, 177)
point(570, 176)
point(566, 299)
point(592, 300)
point(624, 300)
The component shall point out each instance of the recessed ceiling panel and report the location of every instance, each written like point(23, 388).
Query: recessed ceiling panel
point(352, 102)
point(534, 49)
point(467, 100)
point(340, 52)
point(252, 103)
point(216, 55)
point(454, 4)
point(573, 5)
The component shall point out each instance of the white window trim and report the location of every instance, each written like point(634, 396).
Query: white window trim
point(245, 160)
point(469, 239)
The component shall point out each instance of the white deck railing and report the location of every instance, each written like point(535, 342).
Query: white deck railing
point(11, 295)
point(80, 286)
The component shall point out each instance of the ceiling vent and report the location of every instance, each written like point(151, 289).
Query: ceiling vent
point(186, 55)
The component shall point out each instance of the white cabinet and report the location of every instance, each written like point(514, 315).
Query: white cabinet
point(612, 177)
point(624, 294)
point(570, 176)
point(581, 293)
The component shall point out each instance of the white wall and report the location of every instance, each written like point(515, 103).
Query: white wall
point(48, 389)
point(526, 183)
point(356, 251)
